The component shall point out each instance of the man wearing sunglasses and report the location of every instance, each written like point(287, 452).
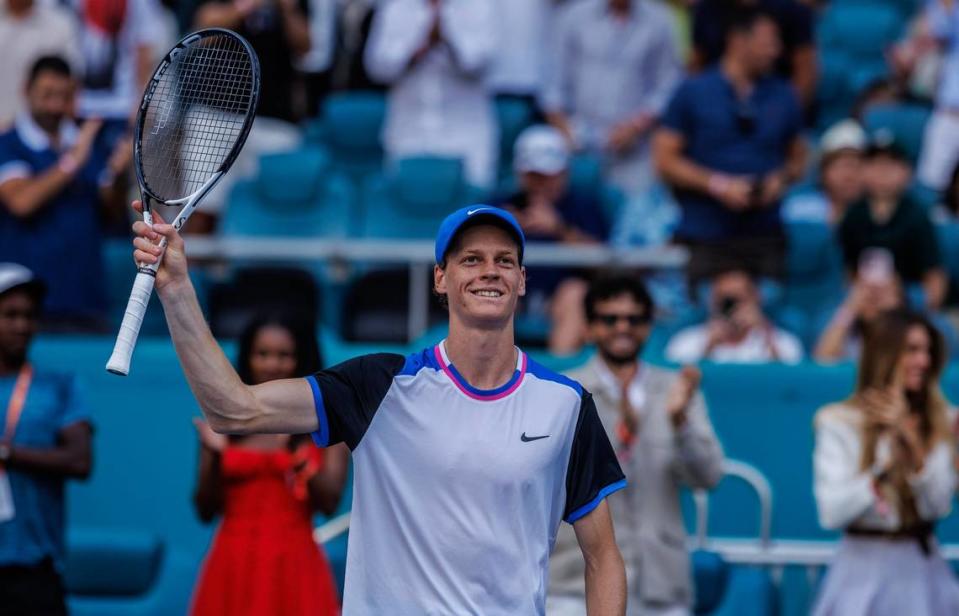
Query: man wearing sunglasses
point(657, 421)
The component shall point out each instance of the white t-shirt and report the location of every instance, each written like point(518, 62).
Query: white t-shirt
point(108, 44)
point(459, 492)
point(689, 346)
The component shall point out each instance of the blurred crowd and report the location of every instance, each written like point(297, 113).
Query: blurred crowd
point(714, 123)
point(805, 154)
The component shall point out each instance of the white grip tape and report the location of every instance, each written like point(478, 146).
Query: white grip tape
point(130, 328)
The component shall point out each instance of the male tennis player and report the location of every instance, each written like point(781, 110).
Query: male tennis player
point(467, 455)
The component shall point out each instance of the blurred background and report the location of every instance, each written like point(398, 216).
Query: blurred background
point(677, 140)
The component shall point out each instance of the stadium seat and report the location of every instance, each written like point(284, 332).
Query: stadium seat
point(376, 307)
point(260, 290)
point(352, 123)
point(710, 579)
point(834, 94)
point(814, 272)
point(411, 200)
point(749, 592)
point(125, 573)
point(295, 194)
point(907, 123)
point(513, 116)
point(862, 30)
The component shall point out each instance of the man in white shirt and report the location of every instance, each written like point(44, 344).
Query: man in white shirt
point(434, 54)
point(737, 330)
point(27, 33)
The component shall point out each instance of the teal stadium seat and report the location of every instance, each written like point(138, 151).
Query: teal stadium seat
point(907, 123)
point(349, 128)
point(815, 280)
point(864, 30)
point(410, 200)
point(295, 194)
point(126, 573)
point(834, 93)
point(513, 115)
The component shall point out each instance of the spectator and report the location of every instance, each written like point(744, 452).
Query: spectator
point(730, 145)
point(46, 440)
point(795, 62)
point(549, 212)
point(940, 145)
point(884, 475)
point(119, 41)
point(522, 45)
point(948, 207)
point(434, 54)
point(29, 31)
point(887, 218)
point(840, 178)
point(279, 33)
point(614, 66)
point(51, 179)
point(658, 423)
point(874, 291)
point(267, 487)
point(737, 330)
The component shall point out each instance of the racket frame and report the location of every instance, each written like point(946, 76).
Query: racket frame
point(119, 362)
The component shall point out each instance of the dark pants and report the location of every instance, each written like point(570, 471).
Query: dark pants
point(31, 590)
point(763, 257)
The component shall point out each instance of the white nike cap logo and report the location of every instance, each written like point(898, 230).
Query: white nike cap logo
point(479, 209)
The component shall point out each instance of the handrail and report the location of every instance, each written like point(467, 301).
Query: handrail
point(419, 252)
point(760, 485)
point(331, 529)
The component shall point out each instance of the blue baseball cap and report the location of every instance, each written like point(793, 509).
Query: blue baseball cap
point(474, 214)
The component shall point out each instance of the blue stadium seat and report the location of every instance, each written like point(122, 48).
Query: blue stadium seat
point(126, 573)
point(411, 200)
point(295, 194)
point(815, 280)
point(350, 127)
point(513, 115)
point(863, 30)
point(834, 94)
point(710, 579)
point(907, 123)
point(749, 592)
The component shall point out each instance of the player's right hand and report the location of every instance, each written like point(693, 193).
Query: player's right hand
point(172, 272)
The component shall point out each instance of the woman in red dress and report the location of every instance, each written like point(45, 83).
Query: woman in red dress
point(264, 560)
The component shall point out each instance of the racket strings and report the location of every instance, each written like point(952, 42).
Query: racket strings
point(196, 115)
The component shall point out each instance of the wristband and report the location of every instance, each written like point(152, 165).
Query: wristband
point(68, 164)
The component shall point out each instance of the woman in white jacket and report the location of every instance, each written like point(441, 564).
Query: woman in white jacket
point(884, 474)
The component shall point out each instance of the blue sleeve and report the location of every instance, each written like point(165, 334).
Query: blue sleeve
point(73, 402)
point(347, 396)
point(593, 472)
point(678, 115)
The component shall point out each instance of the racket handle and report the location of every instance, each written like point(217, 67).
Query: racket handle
point(132, 320)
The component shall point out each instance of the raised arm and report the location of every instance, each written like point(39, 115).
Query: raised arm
point(605, 572)
point(229, 405)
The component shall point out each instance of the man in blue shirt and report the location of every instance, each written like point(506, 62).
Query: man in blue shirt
point(44, 439)
point(730, 145)
point(51, 177)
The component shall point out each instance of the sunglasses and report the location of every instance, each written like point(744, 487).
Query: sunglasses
point(609, 320)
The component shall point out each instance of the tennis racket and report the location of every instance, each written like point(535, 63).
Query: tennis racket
point(195, 116)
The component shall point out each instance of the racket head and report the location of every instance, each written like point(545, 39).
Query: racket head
point(196, 114)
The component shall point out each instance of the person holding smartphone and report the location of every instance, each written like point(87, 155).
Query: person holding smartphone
point(737, 330)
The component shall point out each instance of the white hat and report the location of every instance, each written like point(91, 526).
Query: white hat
point(844, 135)
point(540, 149)
point(14, 275)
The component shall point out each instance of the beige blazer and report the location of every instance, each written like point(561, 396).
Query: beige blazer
point(646, 514)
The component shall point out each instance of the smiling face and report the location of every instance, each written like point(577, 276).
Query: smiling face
point(915, 362)
point(482, 278)
point(619, 328)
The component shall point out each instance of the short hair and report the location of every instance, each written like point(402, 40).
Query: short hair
point(49, 64)
point(742, 19)
point(613, 284)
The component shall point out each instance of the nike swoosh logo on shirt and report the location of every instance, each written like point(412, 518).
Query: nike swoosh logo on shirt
point(527, 439)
